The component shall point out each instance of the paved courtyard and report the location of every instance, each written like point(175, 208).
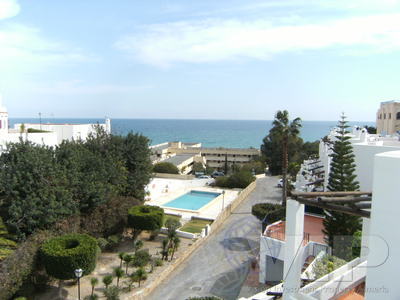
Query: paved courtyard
point(221, 265)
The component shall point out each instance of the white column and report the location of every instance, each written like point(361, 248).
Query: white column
point(382, 280)
point(365, 238)
point(293, 248)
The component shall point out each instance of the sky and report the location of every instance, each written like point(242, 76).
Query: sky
point(199, 59)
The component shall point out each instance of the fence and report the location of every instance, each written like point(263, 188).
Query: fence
point(174, 176)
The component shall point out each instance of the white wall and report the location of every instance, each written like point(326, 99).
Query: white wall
point(364, 159)
point(384, 242)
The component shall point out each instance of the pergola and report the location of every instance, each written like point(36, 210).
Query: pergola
point(351, 203)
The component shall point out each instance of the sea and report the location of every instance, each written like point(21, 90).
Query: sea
point(211, 133)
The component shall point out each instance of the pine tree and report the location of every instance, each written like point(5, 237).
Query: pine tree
point(340, 227)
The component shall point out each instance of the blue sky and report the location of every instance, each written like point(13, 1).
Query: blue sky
point(202, 59)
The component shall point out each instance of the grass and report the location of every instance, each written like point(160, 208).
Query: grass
point(172, 217)
point(195, 226)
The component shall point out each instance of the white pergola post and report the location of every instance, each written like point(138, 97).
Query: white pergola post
point(365, 238)
point(293, 248)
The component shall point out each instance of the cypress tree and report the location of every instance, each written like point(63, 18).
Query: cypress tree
point(339, 227)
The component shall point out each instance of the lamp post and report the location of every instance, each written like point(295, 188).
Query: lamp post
point(78, 274)
point(223, 200)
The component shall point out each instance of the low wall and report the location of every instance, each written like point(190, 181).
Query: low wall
point(174, 176)
point(142, 294)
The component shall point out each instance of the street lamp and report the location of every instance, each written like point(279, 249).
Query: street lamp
point(78, 274)
point(223, 200)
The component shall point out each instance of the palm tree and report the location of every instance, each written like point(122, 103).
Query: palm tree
point(175, 246)
point(164, 251)
point(93, 281)
point(118, 272)
point(121, 257)
point(286, 130)
point(107, 280)
point(140, 275)
point(127, 259)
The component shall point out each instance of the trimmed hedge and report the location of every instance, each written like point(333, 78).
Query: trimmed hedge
point(145, 217)
point(62, 255)
point(165, 167)
point(273, 212)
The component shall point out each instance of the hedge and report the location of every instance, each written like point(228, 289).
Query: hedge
point(273, 212)
point(240, 179)
point(165, 167)
point(64, 254)
point(145, 217)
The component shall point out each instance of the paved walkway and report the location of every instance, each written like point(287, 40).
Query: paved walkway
point(221, 265)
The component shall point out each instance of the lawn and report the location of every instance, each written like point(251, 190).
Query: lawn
point(195, 225)
point(172, 217)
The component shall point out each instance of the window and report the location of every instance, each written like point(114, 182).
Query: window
point(390, 115)
point(398, 116)
point(1, 123)
point(380, 116)
point(384, 116)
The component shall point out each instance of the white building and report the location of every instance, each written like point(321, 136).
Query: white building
point(43, 134)
point(373, 274)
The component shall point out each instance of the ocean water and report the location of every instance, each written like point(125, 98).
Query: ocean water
point(211, 133)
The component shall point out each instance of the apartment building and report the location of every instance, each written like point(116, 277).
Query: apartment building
point(388, 118)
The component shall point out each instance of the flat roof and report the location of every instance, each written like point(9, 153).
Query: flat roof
point(179, 158)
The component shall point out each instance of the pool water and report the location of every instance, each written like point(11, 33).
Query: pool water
point(194, 200)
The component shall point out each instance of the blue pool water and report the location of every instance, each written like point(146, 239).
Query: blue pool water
point(194, 200)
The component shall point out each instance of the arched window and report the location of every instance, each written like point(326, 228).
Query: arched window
point(398, 116)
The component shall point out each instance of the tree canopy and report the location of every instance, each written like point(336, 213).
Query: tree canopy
point(338, 227)
point(41, 185)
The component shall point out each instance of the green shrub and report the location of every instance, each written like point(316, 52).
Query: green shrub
point(113, 241)
point(158, 262)
point(102, 243)
point(64, 254)
point(109, 218)
point(274, 212)
point(326, 265)
point(240, 179)
point(165, 167)
point(145, 217)
point(141, 258)
point(112, 293)
point(16, 268)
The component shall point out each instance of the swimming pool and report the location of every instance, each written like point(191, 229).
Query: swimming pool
point(194, 200)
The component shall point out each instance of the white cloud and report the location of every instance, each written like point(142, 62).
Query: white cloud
point(227, 40)
point(24, 48)
point(8, 8)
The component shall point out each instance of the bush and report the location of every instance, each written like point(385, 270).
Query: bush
point(64, 254)
point(112, 293)
point(158, 262)
point(102, 243)
point(145, 217)
point(109, 218)
point(141, 258)
point(165, 167)
point(113, 241)
point(326, 265)
point(274, 212)
point(17, 267)
point(240, 179)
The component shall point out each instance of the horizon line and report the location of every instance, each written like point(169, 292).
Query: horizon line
point(176, 119)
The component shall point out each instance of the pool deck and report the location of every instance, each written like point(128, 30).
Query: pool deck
point(164, 190)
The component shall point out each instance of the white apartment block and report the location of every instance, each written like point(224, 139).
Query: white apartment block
point(43, 134)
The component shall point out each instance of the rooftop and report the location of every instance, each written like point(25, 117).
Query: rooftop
point(178, 159)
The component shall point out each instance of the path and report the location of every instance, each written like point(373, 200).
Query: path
point(220, 266)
